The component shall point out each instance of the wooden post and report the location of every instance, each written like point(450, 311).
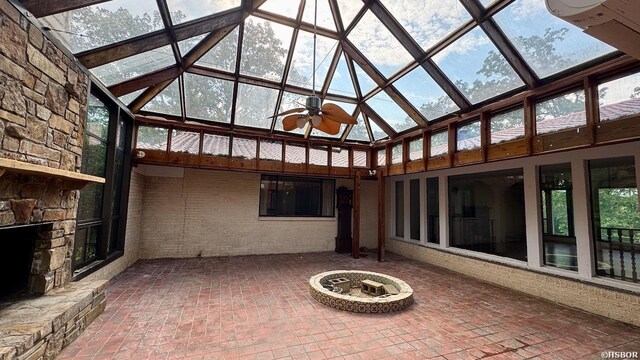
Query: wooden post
point(485, 134)
point(355, 242)
point(381, 216)
point(529, 123)
point(593, 110)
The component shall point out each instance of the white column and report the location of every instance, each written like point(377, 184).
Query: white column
point(532, 216)
point(582, 218)
point(423, 210)
point(443, 213)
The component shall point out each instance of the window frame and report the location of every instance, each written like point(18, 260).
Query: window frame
point(279, 178)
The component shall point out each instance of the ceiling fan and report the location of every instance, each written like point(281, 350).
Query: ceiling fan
point(326, 118)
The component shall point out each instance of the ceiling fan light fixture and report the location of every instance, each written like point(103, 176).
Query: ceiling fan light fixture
point(316, 120)
point(301, 122)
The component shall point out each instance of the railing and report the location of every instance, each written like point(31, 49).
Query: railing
point(619, 250)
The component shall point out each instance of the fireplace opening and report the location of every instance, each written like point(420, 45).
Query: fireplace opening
point(18, 245)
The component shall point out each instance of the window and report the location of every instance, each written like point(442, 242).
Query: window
point(396, 154)
point(291, 196)
point(318, 155)
point(101, 214)
point(415, 149)
point(620, 98)
point(414, 209)
point(270, 150)
point(400, 209)
point(439, 143)
point(243, 148)
point(561, 112)
point(382, 157)
point(150, 138)
point(486, 213)
point(507, 126)
point(616, 217)
point(468, 136)
point(185, 142)
point(360, 158)
point(433, 211)
point(339, 157)
point(216, 145)
point(556, 197)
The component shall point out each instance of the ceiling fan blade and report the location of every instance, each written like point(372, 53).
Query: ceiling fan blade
point(290, 111)
point(328, 126)
point(335, 113)
point(290, 122)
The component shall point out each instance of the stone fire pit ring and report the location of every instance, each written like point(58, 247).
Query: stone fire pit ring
point(381, 304)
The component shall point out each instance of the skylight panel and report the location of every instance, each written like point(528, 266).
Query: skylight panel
point(428, 27)
point(341, 83)
point(288, 8)
point(359, 131)
point(255, 105)
point(187, 45)
point(348, 10)
point(325, 17)
point(301, 71)
point(376, 131)
point(133, 66)
point(186, 10)
point(364, 80)
point(390, 112)
point(376, 42)
point(548, 44)
point(264, 48)
point(290, 101)
point(105, 23)
point(477, 68)
point(167, 101)
point(348, 107)
point(425, 94)
point(208, 98)
point(223, 55)
point(128, 98)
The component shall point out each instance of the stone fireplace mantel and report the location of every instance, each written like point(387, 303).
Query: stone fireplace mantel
point(76, 179)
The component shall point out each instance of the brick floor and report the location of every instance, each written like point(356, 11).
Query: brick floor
point(259, 307)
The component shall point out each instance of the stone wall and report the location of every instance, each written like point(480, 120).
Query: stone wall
point(43, 97)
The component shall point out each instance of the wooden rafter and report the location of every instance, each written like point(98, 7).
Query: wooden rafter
point(372, 115)
point(41, 8)
point(109, 53)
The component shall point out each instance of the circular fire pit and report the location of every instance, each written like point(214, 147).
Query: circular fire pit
point(361, 291)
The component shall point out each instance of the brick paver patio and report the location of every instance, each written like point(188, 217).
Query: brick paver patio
point(259, 307)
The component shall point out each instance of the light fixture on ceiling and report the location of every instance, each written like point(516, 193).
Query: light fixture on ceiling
point(326, 118)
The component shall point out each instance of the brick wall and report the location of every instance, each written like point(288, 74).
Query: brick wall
point(133, 235)
point(43, 99)
point(215, 213)
point(598, 300)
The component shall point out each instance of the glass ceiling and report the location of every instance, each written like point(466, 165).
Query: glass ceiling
point(241, 79)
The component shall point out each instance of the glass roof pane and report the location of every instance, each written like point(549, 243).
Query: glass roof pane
point(359, 131)
point(377, 43)
point(199, 95)
point(486, 3)
point(476, 67)
point(341, 83)
point(325, 17)
point(187, 44)
point(376, 131)
point(548, 44)
point(301, 70)
point(105, 23)
point(187, 10)
point(128, 98)
point(290, 101)
point(428, 27)
point(136, 65)
point(348, 10)
point(254, 105)
point(264, 48)
point(349, 108)
point(223, 55)
point(365, 81)
point(287, 8)
point(425, 94)
point(167, 102)
point(390, 112)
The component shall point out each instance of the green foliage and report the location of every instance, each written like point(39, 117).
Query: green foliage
point(152, 136)
point(619, 208)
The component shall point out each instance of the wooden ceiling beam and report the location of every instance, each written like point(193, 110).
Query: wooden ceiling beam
point(372, 115)
point(120, 50)
point(42, 8)
point(144, 81)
